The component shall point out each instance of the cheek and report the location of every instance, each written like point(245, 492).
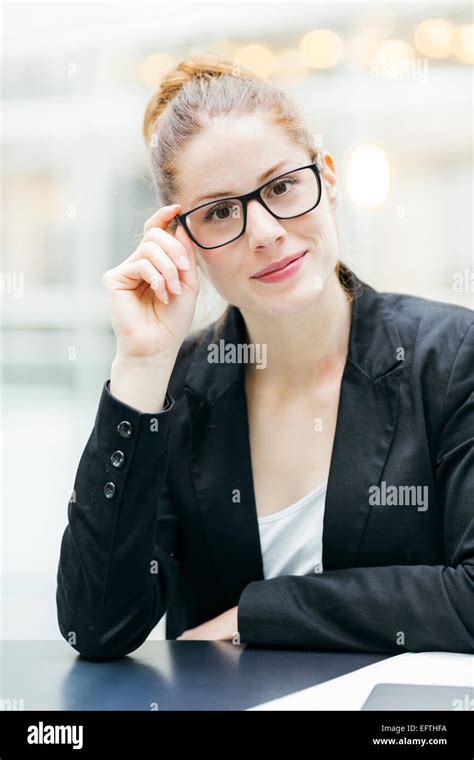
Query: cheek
point(217, 268)
point(321, 220)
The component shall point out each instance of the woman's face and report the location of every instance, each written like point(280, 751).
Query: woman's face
point(232, 155)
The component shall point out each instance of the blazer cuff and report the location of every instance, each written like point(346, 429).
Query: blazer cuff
point(251, 611)
point(167, 404)
point(141, 434)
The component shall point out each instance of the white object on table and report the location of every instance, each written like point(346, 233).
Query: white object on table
point(350, 691)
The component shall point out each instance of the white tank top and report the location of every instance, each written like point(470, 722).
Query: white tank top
point(292, 538)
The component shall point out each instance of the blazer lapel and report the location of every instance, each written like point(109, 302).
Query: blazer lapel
point(221, 462)
point(367, 413)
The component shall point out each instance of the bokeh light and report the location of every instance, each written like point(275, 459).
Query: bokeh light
point(393, 53)
point(376, 24)
point(434, 37)
point(258, 58)
point(368, 176)
point(321, 48)
point(464, 43)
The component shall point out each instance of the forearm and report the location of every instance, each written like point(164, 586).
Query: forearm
point(380, 609)
point(107, 595)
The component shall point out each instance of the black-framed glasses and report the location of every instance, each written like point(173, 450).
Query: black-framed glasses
point(220, 222)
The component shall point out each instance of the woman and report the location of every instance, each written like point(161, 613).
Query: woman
point(316, 492)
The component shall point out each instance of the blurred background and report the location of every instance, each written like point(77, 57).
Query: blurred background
point(385, 86)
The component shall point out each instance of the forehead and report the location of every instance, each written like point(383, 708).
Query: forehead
point(231, 154)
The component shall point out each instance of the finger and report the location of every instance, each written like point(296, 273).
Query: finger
point(160, 259)
point(162, 217)
point(143, 270)
point(171, 245)
point(182, 236)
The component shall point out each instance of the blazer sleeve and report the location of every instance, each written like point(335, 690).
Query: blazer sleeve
point(114, 580)
point(368, 608)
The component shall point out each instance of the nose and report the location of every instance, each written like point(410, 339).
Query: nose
point(262, 229)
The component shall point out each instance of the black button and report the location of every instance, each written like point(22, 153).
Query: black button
point(117, 459)
point(125, 429)
point(109, 490)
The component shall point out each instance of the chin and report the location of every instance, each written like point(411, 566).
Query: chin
point(280, 304)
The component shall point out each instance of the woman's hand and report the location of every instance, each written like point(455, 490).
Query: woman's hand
point(150, 319)
point(223, 626)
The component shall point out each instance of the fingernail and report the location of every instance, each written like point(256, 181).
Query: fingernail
point(175, 286)
point(183, 262)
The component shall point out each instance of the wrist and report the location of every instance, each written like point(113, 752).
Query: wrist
point(143, 363)
point(141, 383)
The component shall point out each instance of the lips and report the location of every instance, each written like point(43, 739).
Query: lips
point(281, 264)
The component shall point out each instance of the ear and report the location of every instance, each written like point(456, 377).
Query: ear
point(328, 174)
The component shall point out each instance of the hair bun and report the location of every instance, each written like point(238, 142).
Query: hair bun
point(203, 65)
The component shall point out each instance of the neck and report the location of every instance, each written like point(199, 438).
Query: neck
point(323, 327)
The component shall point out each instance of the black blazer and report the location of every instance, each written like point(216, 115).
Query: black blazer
point(159, 531)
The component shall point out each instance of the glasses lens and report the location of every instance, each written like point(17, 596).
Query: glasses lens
point(216, 223)
point(222, 221)
point(293, 194)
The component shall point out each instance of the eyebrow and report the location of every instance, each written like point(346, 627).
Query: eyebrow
point(227, 193)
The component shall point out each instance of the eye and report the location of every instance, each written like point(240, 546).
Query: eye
point(222, 210)
point(281, 186)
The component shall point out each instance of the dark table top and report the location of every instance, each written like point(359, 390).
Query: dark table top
point(165, 675)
